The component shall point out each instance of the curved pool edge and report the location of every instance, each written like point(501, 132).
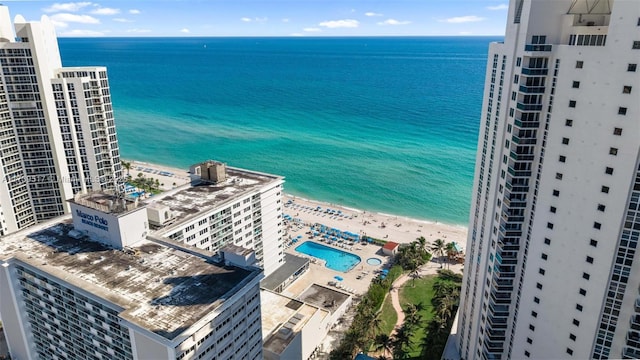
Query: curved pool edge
point(326, 261)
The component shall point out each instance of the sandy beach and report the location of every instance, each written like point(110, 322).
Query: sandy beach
point(377, 225)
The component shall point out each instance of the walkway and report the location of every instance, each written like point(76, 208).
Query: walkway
point(395, 301)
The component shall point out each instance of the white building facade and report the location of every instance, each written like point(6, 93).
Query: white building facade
point(57, 133)
point(551, 268)
point(244, 210)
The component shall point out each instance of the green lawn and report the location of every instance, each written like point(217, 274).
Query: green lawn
point(420, 292)
point(388, 316)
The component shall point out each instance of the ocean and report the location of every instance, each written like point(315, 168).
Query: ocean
point(386, 124)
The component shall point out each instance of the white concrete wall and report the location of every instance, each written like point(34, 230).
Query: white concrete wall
point(117, 231)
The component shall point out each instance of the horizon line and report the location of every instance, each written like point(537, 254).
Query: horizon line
point(269, 36)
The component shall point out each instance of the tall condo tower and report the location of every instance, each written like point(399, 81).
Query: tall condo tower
point(552, 265)
point(57, 132)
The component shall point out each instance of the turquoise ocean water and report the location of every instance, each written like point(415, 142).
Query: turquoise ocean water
point(381, 124)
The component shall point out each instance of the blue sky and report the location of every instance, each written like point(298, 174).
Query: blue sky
point(269, 17)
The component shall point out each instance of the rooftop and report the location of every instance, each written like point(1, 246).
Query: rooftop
point(106, 201)
point(390, 245)
point(163, 289)
point(291, 265)
point(282, 318)
point(193, 200)
point(323, 297)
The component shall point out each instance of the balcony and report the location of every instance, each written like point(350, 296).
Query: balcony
point(536, 72)
point(532, 89)
point(529, 107)
point(538, 47)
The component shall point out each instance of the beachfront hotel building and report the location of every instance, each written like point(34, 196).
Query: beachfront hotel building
point(552, 267)
point(57, 131)
point(96, 284)
point(224, 206)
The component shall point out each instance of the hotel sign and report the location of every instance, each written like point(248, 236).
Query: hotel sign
point(95, 221)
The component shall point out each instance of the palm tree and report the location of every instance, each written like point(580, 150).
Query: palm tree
point(401, 340)
point(423, 243)
point(415, 274)
point(438, 247)
point(384, 343)
point(127, 166)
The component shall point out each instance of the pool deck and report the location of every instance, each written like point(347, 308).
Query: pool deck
point(319, 274)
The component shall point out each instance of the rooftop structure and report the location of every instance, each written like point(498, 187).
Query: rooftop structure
point(553, 269)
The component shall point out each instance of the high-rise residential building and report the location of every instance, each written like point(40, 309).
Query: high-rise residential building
point(224, 206)
point(57, 131)
point(96, 285)
point(552, 266)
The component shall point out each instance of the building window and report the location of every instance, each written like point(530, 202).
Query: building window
point(536, 300)
point(579, 64)
point(532, 328)
point(539, 286)
point(576, 322)
point(583, 292)
point(526, 353)
point(613, 151)
point(576, 84)
point(622, 111)
point(565, 141)
point(617, 131)
point(605, 189)
point(562, 158)
point(553, 209)
point(601, 207)
point(541, 271)
point(597, 225)
point(568, 122)
point(529, 341)
point(518, 61)
point(608, 170)
point(549, 226)
point(572, 103)
point(572, 337)
point(586, 276)
point(569, 351)
point(543, 256)
point(636, 45)
point(593, 243)
point(547, 241)
point(626, 89)
point(589, 259)
point(559, 176)
point(632, 67)
point(556, 193)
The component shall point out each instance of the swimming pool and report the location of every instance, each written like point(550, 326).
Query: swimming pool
point(335, 259)
point(374, 261)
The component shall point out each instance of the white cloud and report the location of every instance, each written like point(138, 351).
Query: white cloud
point(256, 19)
point(139, 31)
point(59, 24)
point(394, 22)
point(370, 13)
point(296, 34)
point(184, 31)
point(134, 11)
point(465, 33)
point(498, 7)
point(346, 23)
point(82, 33)
point(312, 29)
point(67, 18)
point(66, 7)
point(122, 20)
point(463, 19)
point(105, 11)
point(285, 20)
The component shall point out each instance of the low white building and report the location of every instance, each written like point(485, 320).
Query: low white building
point(224, 205)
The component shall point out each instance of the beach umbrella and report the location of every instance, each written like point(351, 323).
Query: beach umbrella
point(339, 278)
